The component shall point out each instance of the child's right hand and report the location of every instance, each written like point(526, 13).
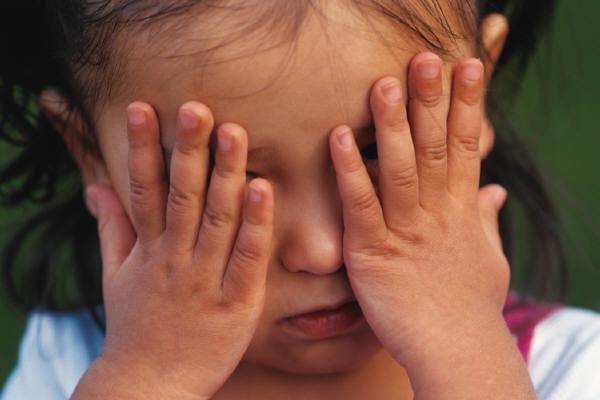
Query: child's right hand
point(183, 298)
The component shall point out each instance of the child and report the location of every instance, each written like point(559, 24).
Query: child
point(280, 267)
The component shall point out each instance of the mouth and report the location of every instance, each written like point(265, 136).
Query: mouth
point(325, 321)
point(331, 306)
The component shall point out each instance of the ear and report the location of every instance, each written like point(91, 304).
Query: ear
point(69, 124)
point(494, 31)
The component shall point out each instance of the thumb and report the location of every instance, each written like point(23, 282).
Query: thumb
point(115, 231)
point(491, 198)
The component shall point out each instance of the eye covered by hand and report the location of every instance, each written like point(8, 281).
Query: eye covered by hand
point(422, 251)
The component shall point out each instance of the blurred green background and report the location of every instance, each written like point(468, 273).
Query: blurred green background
point(557, 111)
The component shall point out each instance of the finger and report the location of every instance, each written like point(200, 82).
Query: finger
point(428, 112)
point(487, 138)
point(147, 181)
point(221, 218)
point(117, 236)
point(490, 199)
point(363, 216)
point(464, 129)
point(398, 181)
point(245, 277)
point(188, 175)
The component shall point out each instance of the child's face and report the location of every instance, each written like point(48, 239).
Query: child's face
point(288, 99)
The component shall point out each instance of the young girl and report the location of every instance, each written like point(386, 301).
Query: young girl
point(289, 204)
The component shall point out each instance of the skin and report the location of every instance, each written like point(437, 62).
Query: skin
point(193, 306)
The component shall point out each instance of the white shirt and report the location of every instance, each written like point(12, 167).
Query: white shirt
point(58, 347)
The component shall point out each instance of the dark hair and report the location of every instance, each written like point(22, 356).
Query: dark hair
point(66, 44)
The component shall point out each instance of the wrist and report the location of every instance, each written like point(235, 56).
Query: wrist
point(107, 381)
point(470, 361)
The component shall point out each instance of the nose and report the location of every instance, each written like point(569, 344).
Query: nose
point(314, 237)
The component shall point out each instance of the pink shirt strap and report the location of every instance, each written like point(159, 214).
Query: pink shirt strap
point(522, 315)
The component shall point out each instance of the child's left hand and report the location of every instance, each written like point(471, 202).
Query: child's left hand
point(425, 259)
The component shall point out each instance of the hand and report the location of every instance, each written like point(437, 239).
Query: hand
point(422, 253)
point(183, 298)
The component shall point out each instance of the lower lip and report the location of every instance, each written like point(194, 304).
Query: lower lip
point(326, 323)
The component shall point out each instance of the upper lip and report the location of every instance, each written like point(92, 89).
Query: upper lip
point(325, 307)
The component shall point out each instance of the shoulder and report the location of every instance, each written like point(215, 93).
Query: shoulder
point(565, 354)
point(55, 351)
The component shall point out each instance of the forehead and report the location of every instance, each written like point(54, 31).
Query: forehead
point(309, 83)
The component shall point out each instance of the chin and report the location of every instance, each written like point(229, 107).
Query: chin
point(335, 355)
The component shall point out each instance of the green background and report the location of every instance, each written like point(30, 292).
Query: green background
point(558, 113)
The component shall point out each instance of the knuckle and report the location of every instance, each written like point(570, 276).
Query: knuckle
point(138, 188)
point(431, 99)
point(372, 256)
point(247, 254)
point(434, 151)
point(136, 140)
point(405, 178)
point(186, 149)
point(187, 144)
point(397, 122)
point(216, 219)
point(409, 237)
point(471, 96)
point(364, 202)
point(468, 145)
point(260, 219)
point(180, 199)
point(226, 172)
point(471, 99)
point(355, 166)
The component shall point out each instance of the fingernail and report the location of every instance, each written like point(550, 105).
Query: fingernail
point(224, 141)
point(188, 119)
point(472, 71)
point(91, 202)
point(136, 116)
point(254, 196)
point(391, 90)
point(344, 137)
point(429, 69)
